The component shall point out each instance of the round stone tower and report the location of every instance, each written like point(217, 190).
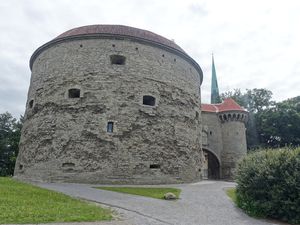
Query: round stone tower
point(112, 104)
point(233, 119)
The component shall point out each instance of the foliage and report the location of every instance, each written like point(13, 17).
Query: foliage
point(24, 203)
point(144, 191)
point(231, 193)
point(280, 126)
point(268, 184)
point(10, 131)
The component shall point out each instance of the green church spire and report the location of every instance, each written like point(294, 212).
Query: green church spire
point(215, 97)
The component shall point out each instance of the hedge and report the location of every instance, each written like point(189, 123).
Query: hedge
point(268, 184)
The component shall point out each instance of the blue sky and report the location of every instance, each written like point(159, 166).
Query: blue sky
point(256, 43)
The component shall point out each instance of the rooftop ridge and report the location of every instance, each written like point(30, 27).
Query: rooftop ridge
point(227, 105)
point(119, 30)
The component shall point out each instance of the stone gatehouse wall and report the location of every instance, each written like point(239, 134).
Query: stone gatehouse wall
point(234, 146)
point(212, 129)
point(226, 139)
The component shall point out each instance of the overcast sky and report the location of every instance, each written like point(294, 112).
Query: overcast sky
point(256, 43)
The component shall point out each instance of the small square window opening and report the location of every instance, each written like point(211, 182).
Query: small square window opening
point(117, 59)
point(74, 93)
point(148, 100)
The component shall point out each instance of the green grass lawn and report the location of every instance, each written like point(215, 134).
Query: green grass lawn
point(231, 194)
point(144, 191)
point(24, 203)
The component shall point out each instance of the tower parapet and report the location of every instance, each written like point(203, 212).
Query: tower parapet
point(233, 118)
point(227, 116)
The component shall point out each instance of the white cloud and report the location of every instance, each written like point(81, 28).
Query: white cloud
point(255, 43)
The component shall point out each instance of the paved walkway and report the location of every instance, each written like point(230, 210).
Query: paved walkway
point(203, 203)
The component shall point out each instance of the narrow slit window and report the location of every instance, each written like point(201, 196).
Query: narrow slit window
point(117, 59)
point(154, 166)
point(68, 164)
point(148, 100)
point(74, 93)
point(31, 104)
point(110, 127)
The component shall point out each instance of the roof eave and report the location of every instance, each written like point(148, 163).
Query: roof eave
point(117, 37)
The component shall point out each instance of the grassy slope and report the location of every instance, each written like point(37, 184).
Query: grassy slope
point(143, 191)
point(231, 194)
point(24, 203)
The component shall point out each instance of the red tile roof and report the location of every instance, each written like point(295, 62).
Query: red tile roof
point(227, 105)
point(119, 30)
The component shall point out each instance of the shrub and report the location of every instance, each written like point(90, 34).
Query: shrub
point(268, 184)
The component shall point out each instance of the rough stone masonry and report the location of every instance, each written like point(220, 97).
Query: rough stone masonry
point(120, 105)
point(112, 104)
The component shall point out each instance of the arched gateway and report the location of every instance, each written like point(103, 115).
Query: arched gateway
point(211, 165)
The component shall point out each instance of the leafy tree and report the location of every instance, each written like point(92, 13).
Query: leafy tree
point(10, 131)
point(279, 126)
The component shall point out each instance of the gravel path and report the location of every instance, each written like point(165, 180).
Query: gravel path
point(203, 203)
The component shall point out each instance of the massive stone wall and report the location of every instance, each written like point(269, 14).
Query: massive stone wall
point(212, 128)
point(66, 139)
